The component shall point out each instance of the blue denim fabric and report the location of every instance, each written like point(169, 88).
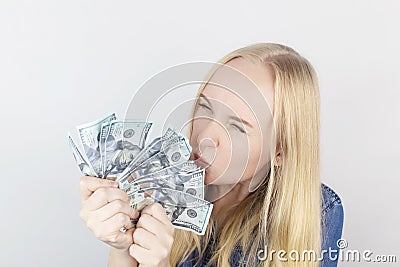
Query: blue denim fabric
point(331, 222)
point(332, 225)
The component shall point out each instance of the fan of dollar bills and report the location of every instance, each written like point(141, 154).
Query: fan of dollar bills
point(157, 172)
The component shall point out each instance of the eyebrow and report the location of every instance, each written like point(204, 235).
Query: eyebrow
point(241, 121)
point(205, 98)
point(237, 119)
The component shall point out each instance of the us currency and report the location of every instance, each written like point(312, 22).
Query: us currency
point(171, 155)
point(190, 183)
point(123, 143)
point(185, 211)
point(170, 137)
point(154, 147)
point(90, 137)
point(105, 130)
point(83, 165)
point(185, 167)
point(188, 167)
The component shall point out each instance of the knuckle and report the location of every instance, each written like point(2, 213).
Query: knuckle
point(82, 182)
point(101, 190)
point(96, 233)
point(93, 195)
point(155, 206)
point(148, 209)
point(171, 229)
point(118, 204)
point(82, 214)
point(164, 252)
point(144, 218)
point(90, 224)
point(120, 218)
point(101, 193)
point(113, 239)
point(124, 195)
point(170, 241)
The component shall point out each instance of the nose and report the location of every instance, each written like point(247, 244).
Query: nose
point(210, 135)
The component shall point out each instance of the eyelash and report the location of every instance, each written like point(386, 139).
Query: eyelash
point(232, 124)
point(204, 106)
point(238, 128)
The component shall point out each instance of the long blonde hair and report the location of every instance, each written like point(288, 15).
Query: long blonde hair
point(284, 212)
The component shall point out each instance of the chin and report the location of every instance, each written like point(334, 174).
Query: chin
point(214, 180)
point(208, 179)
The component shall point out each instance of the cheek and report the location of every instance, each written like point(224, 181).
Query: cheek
point(258, 160)
point(192, 139)
point(240, 145)
point(248, 158)
point(254, 160)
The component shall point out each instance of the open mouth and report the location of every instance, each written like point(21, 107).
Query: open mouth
point(199, 161)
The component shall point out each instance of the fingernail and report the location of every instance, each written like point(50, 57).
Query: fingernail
point(113, 184)
point(137, 214)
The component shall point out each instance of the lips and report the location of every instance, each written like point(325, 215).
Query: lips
point(199, 161)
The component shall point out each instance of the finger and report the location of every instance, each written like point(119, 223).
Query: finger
point(103, 196)
point(158, 212)
point(111, 178)
point(90, 184)
point(141, 254)
point(110, 226)
point(151, 224)
point(114, 207)
point(144, 238)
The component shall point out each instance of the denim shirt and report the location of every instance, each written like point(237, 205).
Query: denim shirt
point(332, 217)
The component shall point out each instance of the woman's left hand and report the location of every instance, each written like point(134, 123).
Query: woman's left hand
point(153, 237)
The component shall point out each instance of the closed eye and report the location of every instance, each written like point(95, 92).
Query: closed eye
point(204, 106)
point(237, 127)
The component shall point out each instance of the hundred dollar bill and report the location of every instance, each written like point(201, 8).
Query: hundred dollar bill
point(105, 130)
point(181, 168)
point(188, 166)
point(174, 154)
point(185, 211)
point(83, 165)
point(190, 183)
point(184, 167)
point(123, 143)
point(170, 137)
point(154, 147)
point(90, 137)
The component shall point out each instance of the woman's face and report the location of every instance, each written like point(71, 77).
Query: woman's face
point(232, 124)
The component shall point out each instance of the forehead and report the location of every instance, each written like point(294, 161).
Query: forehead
point(244, 87)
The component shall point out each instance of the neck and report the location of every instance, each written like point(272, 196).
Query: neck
point(230, 199)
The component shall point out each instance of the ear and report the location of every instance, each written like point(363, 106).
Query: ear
point(278, 159)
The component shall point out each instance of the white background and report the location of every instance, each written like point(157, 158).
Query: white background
point(64, 63)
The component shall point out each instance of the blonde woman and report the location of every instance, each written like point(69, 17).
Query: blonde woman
point(256, 131)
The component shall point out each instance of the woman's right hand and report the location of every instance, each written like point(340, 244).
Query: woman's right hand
point(105, 209)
